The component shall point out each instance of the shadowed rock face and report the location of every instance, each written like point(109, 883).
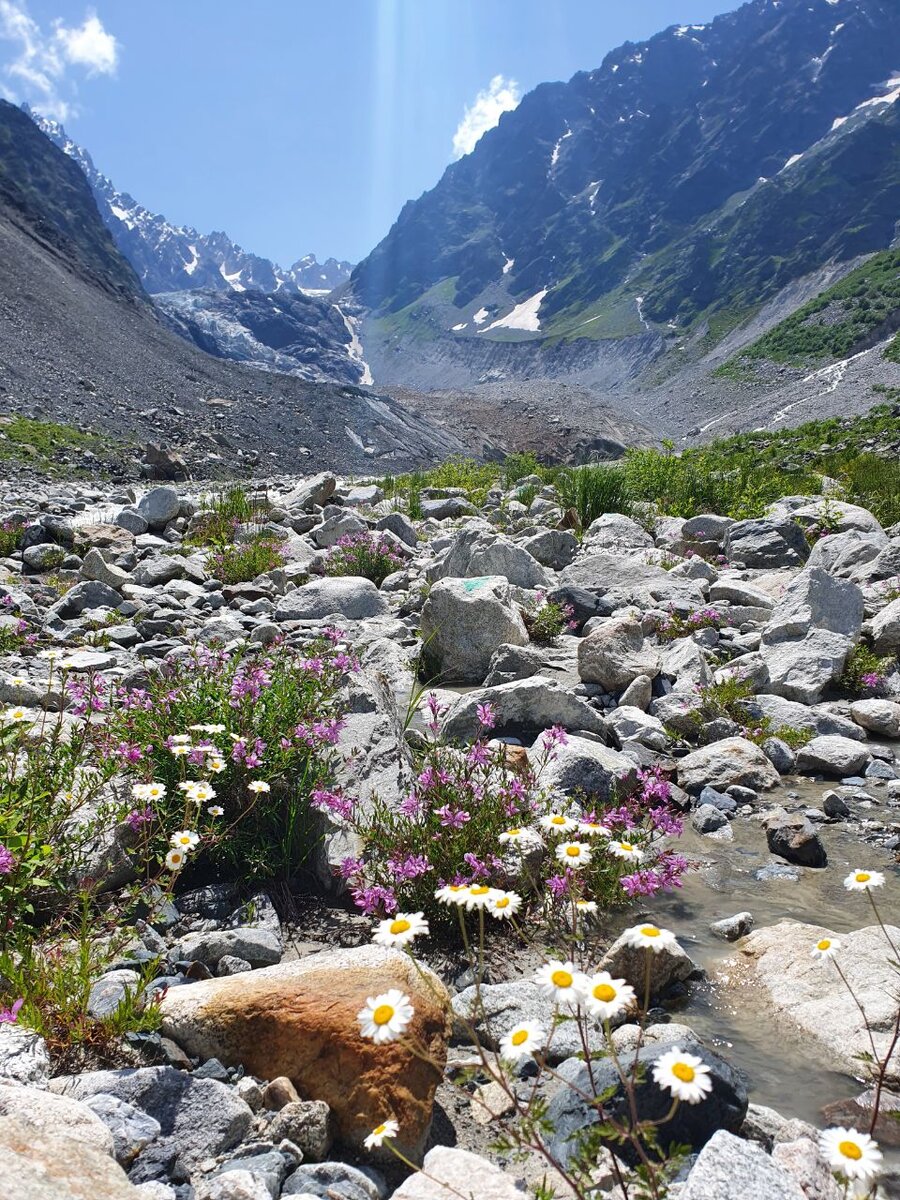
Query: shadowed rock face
point(300, 1020)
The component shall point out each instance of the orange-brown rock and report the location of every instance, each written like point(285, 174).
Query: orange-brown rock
point(298, 1019)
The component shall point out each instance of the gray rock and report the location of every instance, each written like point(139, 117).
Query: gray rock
point(692, 1124)
point(158, 570)
point(505, 1005)
point(729, 1166)
point(45, 556)
point(881, 717)
point(234, 1185)
point(633, 724)
point(811, 632)
point(803, 1161)
point(110, 990)
point(793, 837)
point(528, 705)
point(835, 806)
point(41, 1165)
point(56, 1115)
point(668, 966)
point(446, 508)
point(132, 520)
point(24, 1057)
point(400, 526)
point(738, 591)
point(816, 719)
point(616, 654)
point(464, 621)
point(477, 553)
point(886, 629)
point(86, 595)
point(638, 694)
point(198, 1118)
point(306, 1123)
point(554, 548)
point(270, 1167)
point(729, 929)
point(316, 490)
point(766, 543)
point(129, 1128)
point(337, 524)
point(350, 597)
point(707, 818)
point(584, 766)
point(259, 947)
point(159, 506)
point(449, 1172)
point(780, 755)
point(335, 1181)
point(732, 760)
point(95, 566)
point(833, 755)
point(514, 662)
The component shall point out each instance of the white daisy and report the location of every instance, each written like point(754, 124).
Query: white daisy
point(862, 881)
point(385, 1017)
point(592, 829)
point(216, 765)
point(175, 860)
point(201, 792)
point(478, 896)
point(388, 1129)
point(521, 1041)
point(258, 786)
point(504, 905)
point(605, 997)
point(513, 835)
point(626, 850)
point(179, 750)
point(855, 1155)
point(400, 930)
point(452, 893)
point(216, 810)
point(15, 716)
point(588, 907)
point(184, 839)
point(825, 948)
point(558, 823)
point(180, 739)
point(154, 791)
point(649, 937)
point(574, 855)
point(685, 1075)
point(558, 981)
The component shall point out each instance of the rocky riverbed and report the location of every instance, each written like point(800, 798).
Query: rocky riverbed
point(720, 653)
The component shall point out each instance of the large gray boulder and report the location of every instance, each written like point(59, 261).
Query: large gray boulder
point(477, 552)
point(633, 724)
point(886, 629)
point(449, 1172)
point(615, 531)
point(766, 543)
point(616, 654)
point(316, 490)
point(587, 767)
point(347, 596)
point(845, 555)
point(159, 506)
point(554, 548)
point(464, 621)
point(817, 719)
point(881, 717)
point(622, 580)
point(811, 632)
point(833, 755)
point(526, 706)
point(723, 764)
point(38, 1164)
point(729, 1166)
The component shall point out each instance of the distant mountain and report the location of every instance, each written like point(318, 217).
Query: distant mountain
point(170, 258)
point(649, 206)
point(80, 342)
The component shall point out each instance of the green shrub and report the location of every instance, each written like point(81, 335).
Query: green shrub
point(216, 524)
point(864, 672)
point(547, 619)
point(243, 561)
point(594, 490)
point(364, 554)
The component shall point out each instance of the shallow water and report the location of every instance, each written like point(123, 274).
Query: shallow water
point(785, 1068)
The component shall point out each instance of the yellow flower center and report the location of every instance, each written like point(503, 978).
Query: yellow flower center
point(573, 851)
point(824, 944)
point(400, 926)
point(520, 1036)
point(513, 832)
point(683, 1072)
point(480, 891)
point(561, 979)
point(626, 846)
point(850, 1150)
point(604, 992)
point(379, 1130)
point(456, 887)
point(649, 931)
point(383, 1014)
point(503, 902)
point(863, 876)
point(557, 820)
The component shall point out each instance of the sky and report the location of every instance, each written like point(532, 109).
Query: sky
point(299, 125)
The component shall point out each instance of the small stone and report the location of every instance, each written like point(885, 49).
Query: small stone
point(279, 1092)
point(306, 1123)
point(732, 928)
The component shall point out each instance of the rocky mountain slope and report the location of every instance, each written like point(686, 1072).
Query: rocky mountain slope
point(80, 342)
point(172, 258)
point(640, 212)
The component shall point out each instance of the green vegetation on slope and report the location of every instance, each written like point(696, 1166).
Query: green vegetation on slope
point(50, 447)
point(853, 314)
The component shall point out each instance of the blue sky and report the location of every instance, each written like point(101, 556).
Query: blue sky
point(298, 125)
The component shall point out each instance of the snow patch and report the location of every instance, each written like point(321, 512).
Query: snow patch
point(123, 215)
point(461, 325)
point(481, 316)
point(891, 96)
point(233, 281)
point(524, 316)
point(790, 162)
point(191, 267)
point(508, 265)
point(554, 157)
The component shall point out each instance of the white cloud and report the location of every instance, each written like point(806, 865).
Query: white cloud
point(498, 97)
point(35, 64)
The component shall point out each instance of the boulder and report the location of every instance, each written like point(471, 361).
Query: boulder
point(809, 995)
point(845, 555)
point(731, 761)
point(633, 724)
point(616, 654)
point(766, 543)
point(729, 1166)
point(812, 630)
point(615, 531)
point(318, 489)
point(794, 838)
point(274, 1022)
point(668, 966)
point(500, 1007)
point(349, 596)
point(585, 766)
point(881, 717)
point(446, 508)
point(464, 621)
point(478, 552)
point(449, 1172)
point(816, 719)
point(54, 1114)
point(886, 630)
point(833, 755)
point(37, 1164)
point(95, 566)
point(553, 548)
point(259, 947)
point(24, 1057)
point(691, 1125)
point(622, 580)
point(159, 506)
point(337, 524)
point(527, 706)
